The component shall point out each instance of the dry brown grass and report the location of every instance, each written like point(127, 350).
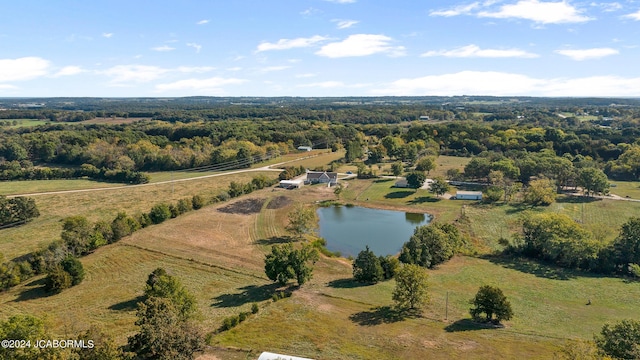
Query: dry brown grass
point(113, 120)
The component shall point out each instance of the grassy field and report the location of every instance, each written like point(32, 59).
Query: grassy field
point(36, 186)
point(104, 205)
point(24, 122)
point(629, 189)
point(444, 163)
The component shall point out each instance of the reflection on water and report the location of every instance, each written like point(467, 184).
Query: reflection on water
point(349, 229)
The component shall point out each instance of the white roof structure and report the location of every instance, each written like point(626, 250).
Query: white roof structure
point(470, 193)
point(272, 356)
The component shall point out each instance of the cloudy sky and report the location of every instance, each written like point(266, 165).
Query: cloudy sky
point(167, 48)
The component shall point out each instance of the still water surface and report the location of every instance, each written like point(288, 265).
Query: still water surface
point(349, 229)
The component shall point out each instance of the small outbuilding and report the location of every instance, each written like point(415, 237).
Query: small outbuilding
point(469, 195)
point(402, 183)
point(304, 148)
point(291, 184)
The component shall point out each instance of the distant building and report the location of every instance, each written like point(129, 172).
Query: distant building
point(424, 117)
point(402, 183)
point(469, 195)
point(291, 184)
point(322, 177)
point(304, 148)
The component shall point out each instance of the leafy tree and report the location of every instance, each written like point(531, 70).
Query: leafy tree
point(26, 327)
point(416, 179)
point(354, 151)
point(627, 243)
point(425, 164)
point(159, 213)
point(104, 347)
point(57, 280)
point(390, 266)
point(284, 263)
point(198, 202)
point(477, 168)
point(397, 168)
point(367, 268)
point(74, 268)
point(393, 145)
point(491, 302)
point(301, 220)
point(338, 190)
point(593, 181)
point(162, 285)
point(492, 194)
point(235, 189)
point(439, 186)
point(453, 174)
point(411, 288)
point(431, 245)
point(77, 234)
point(620, 340)
point(558, 238)
point(123, 225)
point(376, 154)
point(579, 350)
point(540, 192)
point(164, 333)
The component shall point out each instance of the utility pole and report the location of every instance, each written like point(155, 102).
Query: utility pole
point(446, 307)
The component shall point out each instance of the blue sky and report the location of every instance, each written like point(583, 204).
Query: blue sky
point(319, 48)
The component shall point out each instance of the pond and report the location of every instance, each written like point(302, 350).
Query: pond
point(349, 229)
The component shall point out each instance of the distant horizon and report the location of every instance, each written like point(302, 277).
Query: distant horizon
point(320, 48)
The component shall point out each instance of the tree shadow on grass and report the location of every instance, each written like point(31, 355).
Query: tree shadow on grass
point(382, 315)
point(572, 199)
point(347, 283)
point(35, 290)
point(383, 180)
point(535, 268)
point(128, 305)
point(399, 194)
point(423, 199)
point(248, 294)
point(470, 325)
point(275, 240)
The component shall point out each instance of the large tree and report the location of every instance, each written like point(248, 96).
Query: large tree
point(627, 244)
point(593, 181)
point(540, 192)
point(439, 186)
point(491, 302)
point(431, 245)
point(301, 220)
point(397, 168)
point(411, 288)
point(416, 179)
point(286, 263)
point(620, 340)
point(425, 164)
point(367, 267)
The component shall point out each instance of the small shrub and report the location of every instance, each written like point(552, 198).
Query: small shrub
point(255, 308)
point(243, 316)
point(159, 213)
point(197, 202)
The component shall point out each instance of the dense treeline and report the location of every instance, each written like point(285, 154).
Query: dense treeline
point(18, 210)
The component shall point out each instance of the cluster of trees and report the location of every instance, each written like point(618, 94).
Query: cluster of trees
point(25, 170)
point(369, 268)
point(291, 172)
point(17, 210)
point(559, 239)
point(432, 244)
point(285, 263)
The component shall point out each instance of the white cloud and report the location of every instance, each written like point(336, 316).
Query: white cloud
point(198, 47)
point(284, 44)
point(344, 24)
point(202, 22)
point(633, 16)
point(342, 1)
point(473, 51)
point(210, 85)
point(25, 68)
point(457, 10)
point(107, 35)
point(309, 11)
point(608, 7)
point(307, 75)
point(7, 87)
point(163, 48)
point(122, 74)
point(588, 54)
point(361, 45)
point(509, 84)
point(274, 68)
point(194, 69)
point(539, 12)
point(69, 70)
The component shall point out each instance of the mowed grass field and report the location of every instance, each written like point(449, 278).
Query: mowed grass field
point(37, 186)
point(24, 122)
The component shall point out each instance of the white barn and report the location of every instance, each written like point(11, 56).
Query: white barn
point(469, 195)
point(304, 148)
point(291, 184)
